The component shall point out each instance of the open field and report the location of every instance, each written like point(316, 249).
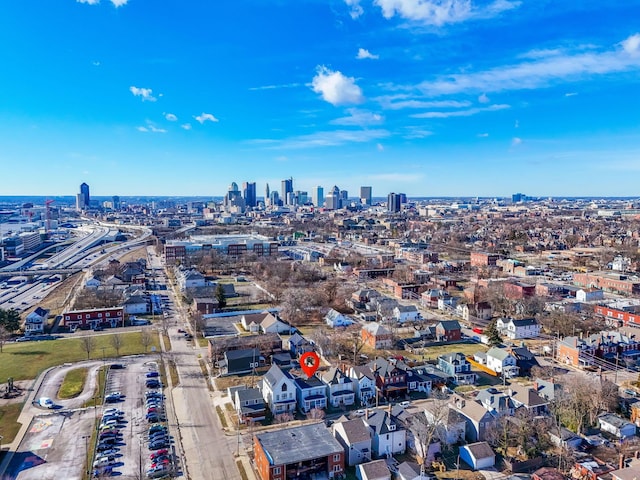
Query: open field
point(54, 301)
point(26, 360)
point(9, 426)
point(134, 255)
point(73, 383)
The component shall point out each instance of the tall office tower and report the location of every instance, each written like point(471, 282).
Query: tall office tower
point(394, 202)
point(274, 199)
point(301, 197)
point(365, 195)
point(317, 196)
point(403, 197)
point(344, 199)
point(287, 188)
point(267, 195)
point(233, 198)
point(83, 198)
point(249, 194)
point(332, 201)
point(116, 202)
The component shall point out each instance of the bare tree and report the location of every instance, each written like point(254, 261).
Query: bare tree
point(117, 341)
point(315, 414)
point(4, 336)
point(88, 344)
point(428, 426)
point(348, 341)
point(283, 417)
point(146, 338)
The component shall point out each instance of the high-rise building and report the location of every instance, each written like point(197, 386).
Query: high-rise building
point(267, 195)
point(116, 202)
point(274, 199)
point(317, 196)
point(83, 198)
point(287, 188)
point(233, 199)
point(332, 200)
point(249, 194)
point(365, 195)
point(394, 202)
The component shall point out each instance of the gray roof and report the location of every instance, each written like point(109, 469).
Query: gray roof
point(249, 394)
point(275, 374)
point(408, 470)
point(298, 444)
point(356, 431)
point(376, 470)
point(448, 325)
point(380, 420)
point(480, 450)
point(498, 353)
point(244, 353)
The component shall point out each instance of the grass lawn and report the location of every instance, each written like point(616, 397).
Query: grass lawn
point(24, 361)
point(432, 353)
point(9, 426)
point(222, 383)
point(73, 383)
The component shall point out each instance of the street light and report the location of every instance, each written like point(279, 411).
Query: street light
point(86, 450)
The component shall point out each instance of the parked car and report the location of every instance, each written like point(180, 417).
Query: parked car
point(117, 366)
point(156, 427)
point(159, 453)
point(158, 445)
point(152, 374)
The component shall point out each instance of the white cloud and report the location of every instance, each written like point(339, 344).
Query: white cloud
point(483, 98)
point(95, 64)
point(273, 87)
point(144, 93)
point(390, 103)
point(89, 2)
point(204, 117)
point(380, 147)
point(151, 128)
point(516, 124)
point(335, 88)
point(142, 129)
point(364, 53)
point(540, 72)
point(631, 45)
point(571, 94)
point(355, 9)
point(359, 117)
point(417, 132)
point(442, 12)
point(461, 113)
point(483, 135)
point(186, 126)
point(119, 3)
point(516, 141)
point(171, 117)
point(331, 138)
point(116, 3)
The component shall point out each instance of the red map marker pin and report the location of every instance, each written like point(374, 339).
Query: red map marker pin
point(309, 362)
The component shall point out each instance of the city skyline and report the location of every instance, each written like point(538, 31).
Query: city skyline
point(430, 98)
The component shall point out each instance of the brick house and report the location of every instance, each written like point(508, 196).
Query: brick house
point(484, 259)
point(298, 451)
point(448, 331)
point(518, 290)
point(376, 336)
point(92, 318)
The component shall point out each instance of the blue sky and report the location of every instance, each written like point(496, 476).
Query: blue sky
point(426, 97)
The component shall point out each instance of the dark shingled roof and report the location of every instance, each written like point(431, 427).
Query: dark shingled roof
point(298, 444)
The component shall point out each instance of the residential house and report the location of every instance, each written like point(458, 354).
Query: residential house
point(409, 471)
point(391, 381)
point(615, 425)
point(450, 425)
point(518, 290)
point(528, 398)
point(547, 389)
point(448, 331)
point(406, 313)
point(591, 468)
point(564, 438)
point(355, 438)
point(341, 387)
point(431, 297)
point(374, 470)
point(299, 345)
point(310, 393)
point(518, 329)
point(376, 336)
point(298, 451)
point(525, 360)
point(502, 362)
point(479, 455)
point(205, 305)
point(477, 417)
point(278, 390)
point(457, 366)
point(35, 321)
point(264, 322)
point(476, 311)
point(249, 405)
point(237, 362)
point(365, 384)
point(136, 305)
point(496, 402)
point(417, 380)
point(388, 436)
point(334, 319)
point(284, 360)
point(589, 295)
point(548, 473)
point(93, 282)
point(93, 317)
point(189, 279)
point(268, 343)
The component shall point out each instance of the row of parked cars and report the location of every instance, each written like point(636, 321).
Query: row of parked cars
point(158, 438)
point(110, 439)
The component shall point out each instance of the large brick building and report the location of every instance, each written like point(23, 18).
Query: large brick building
point(627, 316)
point(484, 259)
point(94, 317)
point(298, 452)
point(609, 282)
point(233, 245)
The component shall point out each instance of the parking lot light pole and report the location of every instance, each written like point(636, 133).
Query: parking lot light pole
point(86, 451)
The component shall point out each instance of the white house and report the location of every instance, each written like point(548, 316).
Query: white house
point(450, 425)
point(135, 305)
point(479, 456)
point(517, 329)
point(365, 384)
point(615, 425)
point(334, 319)
point(388, 436)
point(264, 322)
point(480, 310)
point(406, 313)
point(278, 391)
point(589, 294)
point(93, 282)
point(35, 321)
point(341, 387)
point(355, 438)
point(502, 362)
point(189, 279)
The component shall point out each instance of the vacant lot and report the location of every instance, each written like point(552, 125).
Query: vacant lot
point(26, 360)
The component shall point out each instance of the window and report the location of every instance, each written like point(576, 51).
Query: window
point(107, 314)
point(336, 457)
point(87, 316)
point(99, 315)
point(337, 468)
point(284, 387)
point(277, 470)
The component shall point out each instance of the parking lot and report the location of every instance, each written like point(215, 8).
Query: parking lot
point(58, 441)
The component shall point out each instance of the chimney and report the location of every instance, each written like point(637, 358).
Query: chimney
point(536, 387)
point(621, 464)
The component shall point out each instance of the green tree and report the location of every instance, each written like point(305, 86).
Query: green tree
point(492, 333)
point(222, 300)
point(10, 319)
